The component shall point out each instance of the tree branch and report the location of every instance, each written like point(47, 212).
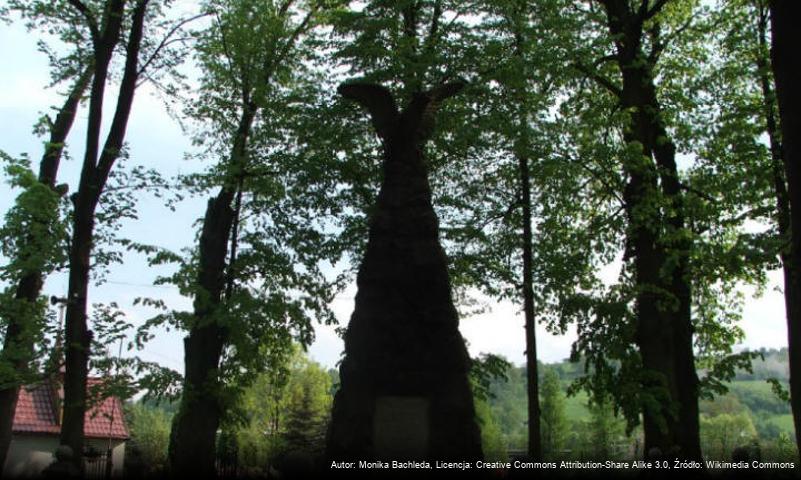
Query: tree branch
point(604, 59)
point(377, 100)
point(226, 51)
point(119, 123)
point(103, 50)
point(285, 7)
point(600, 178)
point(504, 216)
point(697, 192)
point(643, 10)
point(421, 111)
point(433, 31)
point(271, 63)
point(447, 90)
point(666, 40)
point(599, 79)
point(59, 129)
point(649, 13)
point(87, 15)
point(657, 46)
point(167, 39)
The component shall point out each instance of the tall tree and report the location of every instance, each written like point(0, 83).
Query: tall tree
point(105, 25)
point(522, 151)
point(709, 111)
point(659, 243)
point(740, 146)
point(37, 251)
point(784, 35)
point(255, 277)
point(554, 423)
point(92, 32)
point(505, 221)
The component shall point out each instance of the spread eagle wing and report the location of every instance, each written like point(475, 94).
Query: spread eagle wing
point(377, 100)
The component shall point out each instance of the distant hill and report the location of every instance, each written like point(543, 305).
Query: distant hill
point(750, 395)
point(775, 364)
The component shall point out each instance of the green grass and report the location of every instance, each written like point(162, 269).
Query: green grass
point(784, 422)
point(760, 386)
point(576, 407)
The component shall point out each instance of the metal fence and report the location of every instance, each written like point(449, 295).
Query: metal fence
point(227, 466)
point(97, 464)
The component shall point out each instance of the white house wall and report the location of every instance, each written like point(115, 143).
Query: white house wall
point(28, 455)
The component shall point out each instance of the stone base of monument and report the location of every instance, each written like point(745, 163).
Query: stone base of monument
point(433, 422)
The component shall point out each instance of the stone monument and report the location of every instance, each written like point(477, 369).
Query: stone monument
point(405, 392)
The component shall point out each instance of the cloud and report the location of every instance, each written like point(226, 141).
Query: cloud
point(764, 318)
point(501, 331)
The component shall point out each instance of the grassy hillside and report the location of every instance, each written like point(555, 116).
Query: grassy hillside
point(783, 422)
point(750, 411)
point(576, 407)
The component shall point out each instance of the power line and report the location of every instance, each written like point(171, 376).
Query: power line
point(129, 284)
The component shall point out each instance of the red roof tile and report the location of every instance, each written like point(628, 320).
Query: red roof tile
point(36, 413)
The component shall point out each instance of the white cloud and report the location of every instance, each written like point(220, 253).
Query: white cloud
point(764, 318)
point(501, 331)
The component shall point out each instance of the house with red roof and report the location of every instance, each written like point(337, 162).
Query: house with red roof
point(37, 424)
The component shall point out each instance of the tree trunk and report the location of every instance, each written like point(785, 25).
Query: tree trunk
point(663, 334)
point(192, 440)
point(785, 38)
point(774, 142)
point(193, 437)
point(778, 174)
point(532, 374)
point(404, 355)
point(94, 174)
point(522, 145)
point(17, 345)
point(76, 332)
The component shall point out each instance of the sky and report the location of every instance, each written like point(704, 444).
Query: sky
point(156, 141)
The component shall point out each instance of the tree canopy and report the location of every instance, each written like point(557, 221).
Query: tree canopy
point(624, 170)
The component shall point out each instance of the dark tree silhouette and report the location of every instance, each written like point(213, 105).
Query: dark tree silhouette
point(403, 338)
point(18, 347)
point(304, 426)
point(784, 40)
point(664, 334)
point(96, 168)
point(195, 426)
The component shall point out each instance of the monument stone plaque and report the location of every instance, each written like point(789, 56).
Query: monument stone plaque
point(401, 427)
